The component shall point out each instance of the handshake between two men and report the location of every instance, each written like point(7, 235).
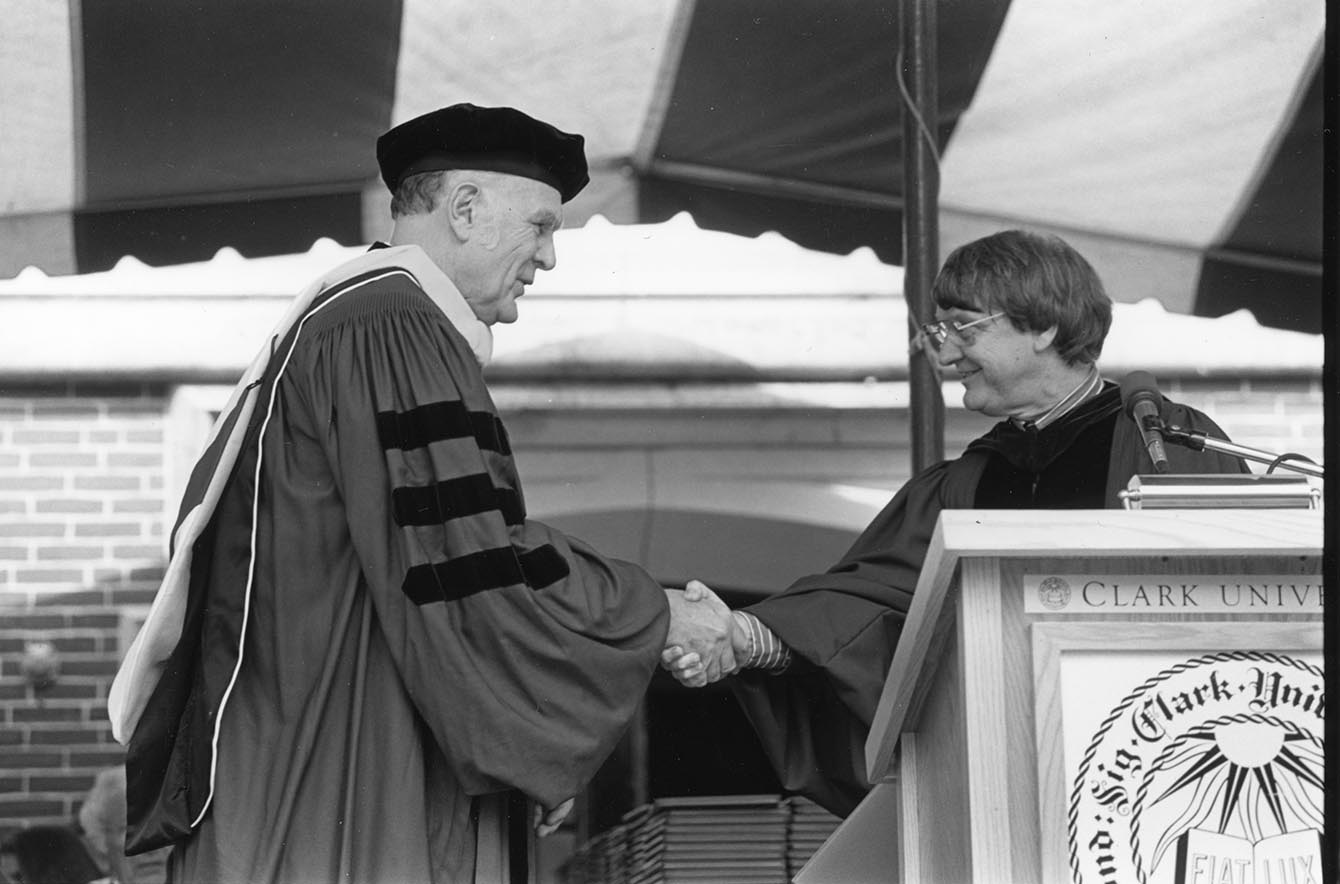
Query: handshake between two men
point(708, 641)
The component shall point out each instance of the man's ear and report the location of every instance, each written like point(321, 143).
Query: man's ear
point(1043, 339)
point(462, 205)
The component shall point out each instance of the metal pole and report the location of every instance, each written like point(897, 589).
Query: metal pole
point(921, 237)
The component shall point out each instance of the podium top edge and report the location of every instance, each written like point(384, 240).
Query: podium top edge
point(1018, 533)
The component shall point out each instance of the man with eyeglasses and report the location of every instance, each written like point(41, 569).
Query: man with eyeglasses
point(1020, 322)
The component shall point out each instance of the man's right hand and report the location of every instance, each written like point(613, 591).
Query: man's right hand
point(704, 638)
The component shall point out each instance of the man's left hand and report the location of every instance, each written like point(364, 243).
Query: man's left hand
point(546, 822)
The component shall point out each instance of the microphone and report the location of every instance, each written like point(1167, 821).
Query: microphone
point(1141, 399)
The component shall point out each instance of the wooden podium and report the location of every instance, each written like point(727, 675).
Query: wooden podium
point(1100, 696)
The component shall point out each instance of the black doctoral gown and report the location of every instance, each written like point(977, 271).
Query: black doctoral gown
point(843, 625)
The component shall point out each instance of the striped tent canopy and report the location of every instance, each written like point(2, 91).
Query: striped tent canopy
point(1179, 146)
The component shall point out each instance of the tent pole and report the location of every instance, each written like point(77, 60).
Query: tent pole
point(921, 239)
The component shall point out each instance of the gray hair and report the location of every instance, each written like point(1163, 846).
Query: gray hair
point(418, 194)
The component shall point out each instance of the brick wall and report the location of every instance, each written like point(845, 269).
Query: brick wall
point(81, 543)
point(83, 476)
point(1278, 416)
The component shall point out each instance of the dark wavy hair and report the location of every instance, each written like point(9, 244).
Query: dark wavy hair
point(1038, 281)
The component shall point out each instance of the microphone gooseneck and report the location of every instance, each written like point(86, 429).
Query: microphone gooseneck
point(1141, 399)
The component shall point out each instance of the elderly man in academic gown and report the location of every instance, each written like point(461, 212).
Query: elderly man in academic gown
point(367, 663)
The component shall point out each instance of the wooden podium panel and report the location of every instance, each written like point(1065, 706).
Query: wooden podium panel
point(1058, 674)
point(1185, 734)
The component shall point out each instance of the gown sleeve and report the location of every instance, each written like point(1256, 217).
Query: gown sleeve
point(525, 652)
point(1188, 460)
point(842, 626)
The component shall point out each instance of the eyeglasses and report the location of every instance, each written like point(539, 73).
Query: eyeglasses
point(938, 332)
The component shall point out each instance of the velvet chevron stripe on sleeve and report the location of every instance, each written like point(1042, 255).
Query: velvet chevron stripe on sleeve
point(440, 421)
point(454, 499)
point(489, 569)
